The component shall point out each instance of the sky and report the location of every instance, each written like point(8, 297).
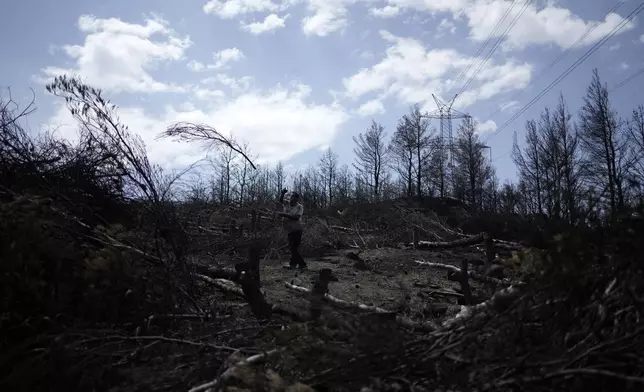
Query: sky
point(293, 77)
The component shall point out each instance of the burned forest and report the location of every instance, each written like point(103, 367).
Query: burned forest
point(424, 273)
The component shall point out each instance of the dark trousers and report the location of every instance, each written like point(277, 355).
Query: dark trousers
point(294, 241)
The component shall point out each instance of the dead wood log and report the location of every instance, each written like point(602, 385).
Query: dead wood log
point(232, 371)
point(472, 274)
point(230, 287)
point(217, 273)
point(499, 243)
point(222, 284)
point(474, 240)
point(508, 245)
point(404, 321)
point(499, 302)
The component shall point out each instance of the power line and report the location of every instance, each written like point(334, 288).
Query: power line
point(570, 48)
point(487, 40)
point(496, 45)
point(583, 58)
point(625, 81)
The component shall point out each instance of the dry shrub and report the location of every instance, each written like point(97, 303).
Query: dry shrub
point(55, 275)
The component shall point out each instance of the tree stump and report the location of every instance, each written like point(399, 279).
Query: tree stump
point(320, 288)
point(490, 255)
point(490, 251)
point(254, 221)
point(250, 283)
point(465, 285)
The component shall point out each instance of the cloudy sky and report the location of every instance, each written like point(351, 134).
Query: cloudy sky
point(292, 77)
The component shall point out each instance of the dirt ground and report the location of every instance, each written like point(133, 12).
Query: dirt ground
point(392, 280)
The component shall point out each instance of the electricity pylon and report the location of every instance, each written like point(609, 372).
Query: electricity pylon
point(445, 113)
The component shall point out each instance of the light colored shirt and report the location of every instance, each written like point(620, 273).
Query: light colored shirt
point(291, 225)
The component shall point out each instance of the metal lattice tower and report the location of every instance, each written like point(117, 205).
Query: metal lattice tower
point(445, 113)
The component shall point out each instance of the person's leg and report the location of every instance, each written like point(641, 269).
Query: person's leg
point(297, 257)
point(293, 243)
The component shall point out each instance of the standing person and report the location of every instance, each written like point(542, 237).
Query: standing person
point(292, 223)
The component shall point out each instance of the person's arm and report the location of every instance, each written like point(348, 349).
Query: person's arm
point(294, 216)
point(282, 195)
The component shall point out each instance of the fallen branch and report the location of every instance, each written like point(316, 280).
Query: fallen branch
point(444, 293)
point(508, 245)
point(498, 301)
point(474, 240)
point(499, 243)
point(472, 274)
point(231, 371)
point(365, 308)
point(223, 284)
point(217, 273)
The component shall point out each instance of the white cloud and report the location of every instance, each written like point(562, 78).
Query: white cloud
point(371, 108)
point(385, 12)
point(117, 56)
point(509, 106)
point(222, 60)
point(270, 23)
point(328, 16)
point(642, 38)
point(541, 23)
point(323, 16)
point(411, 74)
point(196, 66)
point(228, 9)
point(446, 25)
point(624, 66)
point(615, 46)
point(236, 85)
point(226, 56)
point(485, 127)
point(206, 94)
point(278, 124)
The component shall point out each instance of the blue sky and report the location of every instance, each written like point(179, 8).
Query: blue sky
point(295, 76)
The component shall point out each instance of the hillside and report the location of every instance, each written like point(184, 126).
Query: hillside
point(85, 309)
point(117, 276)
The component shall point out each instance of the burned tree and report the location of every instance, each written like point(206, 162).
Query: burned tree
point(371, 156)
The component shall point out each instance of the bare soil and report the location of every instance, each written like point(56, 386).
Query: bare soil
point(392, 280)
